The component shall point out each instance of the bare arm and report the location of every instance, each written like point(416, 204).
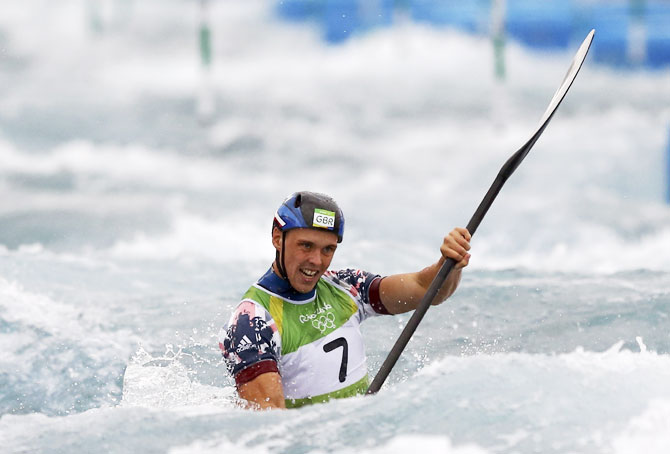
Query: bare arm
point(403, 292)
point(263, 392)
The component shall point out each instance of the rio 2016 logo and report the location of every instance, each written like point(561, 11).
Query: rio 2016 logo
point(321, 319)
point(324, 322)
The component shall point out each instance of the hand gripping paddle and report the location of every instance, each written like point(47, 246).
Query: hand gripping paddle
point(505, 172)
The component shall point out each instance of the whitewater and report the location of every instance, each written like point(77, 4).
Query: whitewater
point(130, 225)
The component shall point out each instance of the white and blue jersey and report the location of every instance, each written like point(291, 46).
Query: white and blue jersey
point(312, 340)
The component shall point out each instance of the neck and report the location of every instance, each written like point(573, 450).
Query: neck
point(273, 282)
point(275, 269)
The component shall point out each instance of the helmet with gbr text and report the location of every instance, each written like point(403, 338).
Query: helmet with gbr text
point(310, 210)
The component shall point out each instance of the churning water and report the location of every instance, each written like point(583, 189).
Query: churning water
point(130, 226)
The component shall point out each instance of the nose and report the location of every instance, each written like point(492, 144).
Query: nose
point(315, 258)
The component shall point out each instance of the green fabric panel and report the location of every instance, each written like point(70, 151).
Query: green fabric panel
point(352, 390)
point(302, 324)
point(306, 323)
point(259, 296)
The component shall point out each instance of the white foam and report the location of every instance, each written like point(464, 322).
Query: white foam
point(163, 383)
point(596, 249)
point(195, 237)
point(614, 362)
point(400, 444)
point(648, 432)
point(42, 313)
point(119, 164)
point(48, 341)
point(436, 158)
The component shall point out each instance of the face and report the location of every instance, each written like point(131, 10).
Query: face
point(307, 255)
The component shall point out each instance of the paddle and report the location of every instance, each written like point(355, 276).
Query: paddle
point(505, 172)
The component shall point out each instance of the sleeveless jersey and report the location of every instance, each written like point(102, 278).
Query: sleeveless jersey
point(313, 338)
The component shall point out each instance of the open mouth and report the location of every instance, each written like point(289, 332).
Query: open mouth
point(308, 273)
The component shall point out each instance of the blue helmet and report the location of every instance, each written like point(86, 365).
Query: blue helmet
point(310, 210)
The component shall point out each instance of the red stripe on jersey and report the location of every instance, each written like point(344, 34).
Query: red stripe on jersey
point(250, 372)
point(375, 297)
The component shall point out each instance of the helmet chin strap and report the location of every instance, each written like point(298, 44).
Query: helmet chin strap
point(279, 259)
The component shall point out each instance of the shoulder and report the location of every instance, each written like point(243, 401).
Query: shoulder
point(357, 282)
point(353, 280)
point(250, 336)
point(249, 320)
point(362, 285)
point(248, 309)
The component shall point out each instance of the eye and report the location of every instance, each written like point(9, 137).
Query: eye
point(329, 250)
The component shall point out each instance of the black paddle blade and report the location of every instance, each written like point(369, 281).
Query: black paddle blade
point(507, 169)
point(570, 75)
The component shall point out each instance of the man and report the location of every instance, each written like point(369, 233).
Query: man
point(294, 338)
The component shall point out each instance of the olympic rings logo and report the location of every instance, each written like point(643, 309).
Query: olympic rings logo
point(324, 322)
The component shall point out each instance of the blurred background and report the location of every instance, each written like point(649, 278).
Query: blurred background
point(631, 33)
point(145, 146)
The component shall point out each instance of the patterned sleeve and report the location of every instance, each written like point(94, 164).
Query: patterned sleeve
point(364, 286)
point(249, 342)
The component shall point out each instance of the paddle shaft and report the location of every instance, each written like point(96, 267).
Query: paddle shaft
point(505, 172)
point(438, 281)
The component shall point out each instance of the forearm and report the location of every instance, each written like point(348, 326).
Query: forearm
point(450, 284)
point(426, 276)
point(264, 391)
point(403, 292)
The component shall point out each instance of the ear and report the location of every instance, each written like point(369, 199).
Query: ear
point(276, 238)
